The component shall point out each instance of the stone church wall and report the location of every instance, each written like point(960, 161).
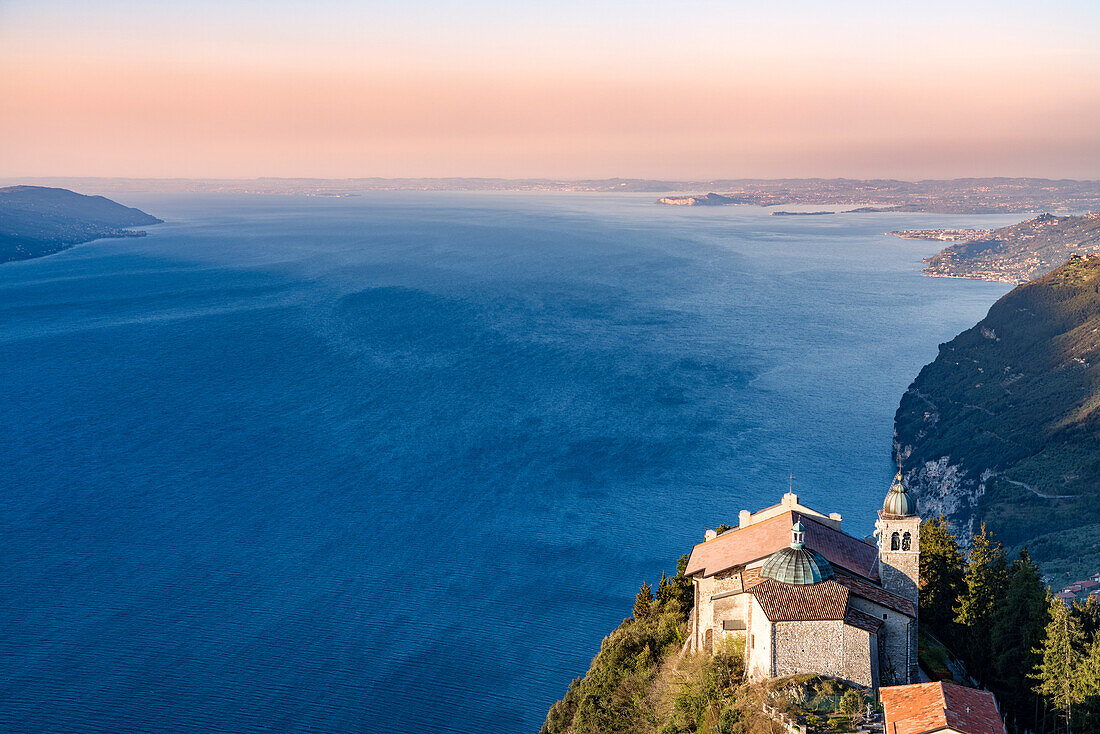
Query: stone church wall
point(827, 647)
point(710, 612)
point(896, 641)
point(759, 647)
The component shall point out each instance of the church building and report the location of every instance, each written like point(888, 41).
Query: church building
point(807, 597)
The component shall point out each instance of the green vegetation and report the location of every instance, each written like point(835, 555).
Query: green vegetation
point(986, 580)
point(933, 656)
point(618, 694)
point(642, 682)
point(941, 573)
point(1003, 428)
point(1038, 656)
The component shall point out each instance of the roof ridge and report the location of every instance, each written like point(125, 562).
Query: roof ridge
point(749, 543)
point(733, 531)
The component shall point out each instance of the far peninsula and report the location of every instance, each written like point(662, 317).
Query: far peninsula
point(36, 221)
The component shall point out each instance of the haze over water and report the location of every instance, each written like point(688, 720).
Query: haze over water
point(398, 462)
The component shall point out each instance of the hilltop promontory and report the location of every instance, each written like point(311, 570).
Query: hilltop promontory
point(37, 220)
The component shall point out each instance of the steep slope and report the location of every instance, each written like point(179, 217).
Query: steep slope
point(36, 220)
point(1020, 252)
point(1004, 426)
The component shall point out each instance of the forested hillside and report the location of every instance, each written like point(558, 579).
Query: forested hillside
point(1004, 426)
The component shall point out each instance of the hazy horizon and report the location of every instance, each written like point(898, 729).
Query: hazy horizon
point(239, 89)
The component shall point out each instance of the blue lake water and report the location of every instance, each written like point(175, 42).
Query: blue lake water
point(397, 463)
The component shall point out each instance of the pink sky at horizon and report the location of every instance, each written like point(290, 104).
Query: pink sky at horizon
point(262, 90)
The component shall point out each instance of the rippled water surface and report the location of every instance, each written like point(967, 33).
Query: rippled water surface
point(396, 463)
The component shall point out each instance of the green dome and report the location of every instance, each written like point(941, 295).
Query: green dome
point(797, 564)
point(898, 502)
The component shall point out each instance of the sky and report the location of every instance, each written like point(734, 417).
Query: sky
point(570, 89)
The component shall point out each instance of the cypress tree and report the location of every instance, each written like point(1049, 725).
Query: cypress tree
point(664, 591)
point(985, 579)
point(643, 602)
point(941, 576)
point(681, 565)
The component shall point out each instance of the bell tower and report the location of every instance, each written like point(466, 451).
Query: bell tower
point(898, 533)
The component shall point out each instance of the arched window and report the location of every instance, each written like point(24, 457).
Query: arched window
point(894, 542)
point(906, 541)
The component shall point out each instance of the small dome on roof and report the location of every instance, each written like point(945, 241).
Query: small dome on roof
point(797, 564)
point(898, 502)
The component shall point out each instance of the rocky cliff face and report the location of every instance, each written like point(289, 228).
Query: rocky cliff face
point(1004, 426)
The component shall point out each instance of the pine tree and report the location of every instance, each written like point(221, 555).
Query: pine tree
point(941, 576)
point(985, 579)
point(1088, 688)
point(1019, 620)
point(1088, 615)
point(1057, 673)
point(643, 602)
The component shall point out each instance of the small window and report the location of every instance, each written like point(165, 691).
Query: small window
point(906, 541)
point(895, 543)
point(884, 616)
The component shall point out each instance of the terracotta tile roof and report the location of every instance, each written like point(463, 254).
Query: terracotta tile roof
point(750, 577)
point(862, 620)
point(877, 594)
point(787, 603)
point(929, 707)
point(748, 544)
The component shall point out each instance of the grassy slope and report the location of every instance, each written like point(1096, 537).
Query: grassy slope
point(641, 683)
point(1019, 395)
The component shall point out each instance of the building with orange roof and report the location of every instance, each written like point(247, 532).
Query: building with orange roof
point(935, 708)
point(808, 598)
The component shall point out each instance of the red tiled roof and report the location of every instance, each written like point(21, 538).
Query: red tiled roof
point(862, 620)
point(750, 577)
point(748, 544)
point(929, 707)
point(877, 594)
point(789, 603)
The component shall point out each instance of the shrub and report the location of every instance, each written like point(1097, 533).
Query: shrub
point(851, 702)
